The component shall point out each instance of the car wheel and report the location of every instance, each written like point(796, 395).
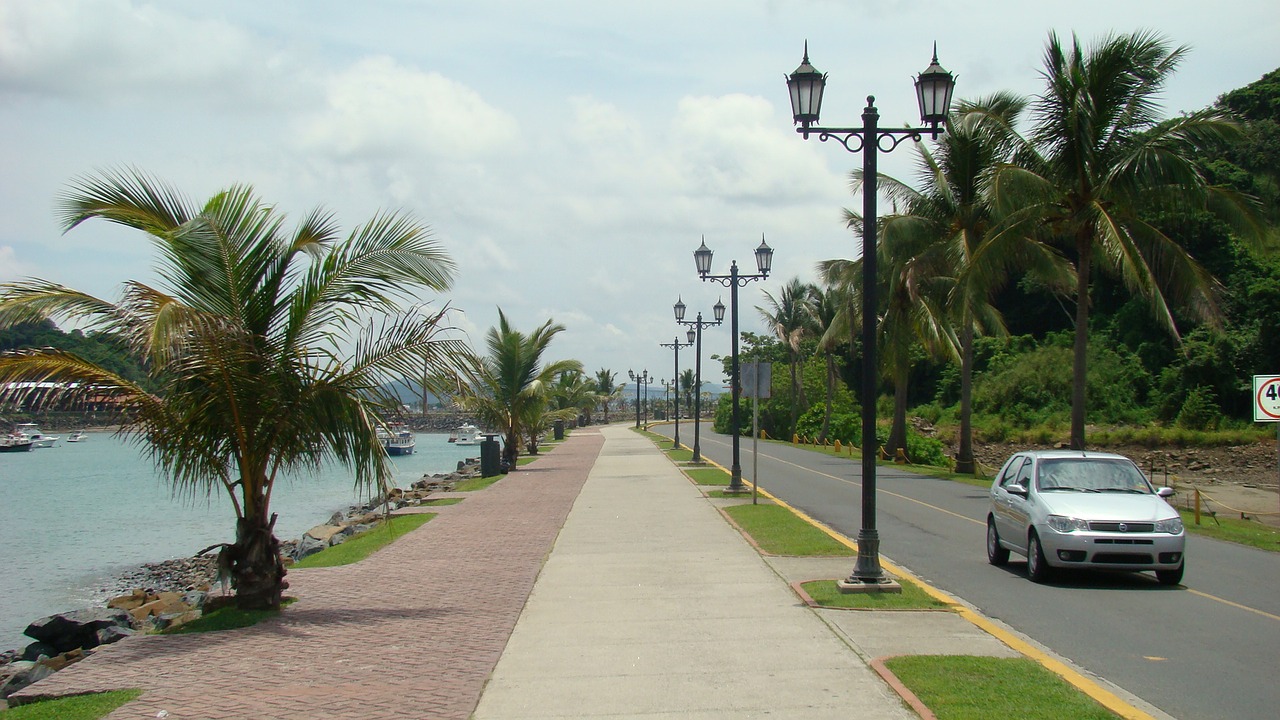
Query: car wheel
point(997, 554)
point(1038, 570)
point(1171, 577)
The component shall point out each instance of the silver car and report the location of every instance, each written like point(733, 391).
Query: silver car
point(1073, 509)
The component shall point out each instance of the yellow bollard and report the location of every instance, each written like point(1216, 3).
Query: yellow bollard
point(838, 446)
point(795, 439)
point(1197, 506)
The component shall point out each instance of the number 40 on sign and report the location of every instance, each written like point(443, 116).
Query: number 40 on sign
point(1266, 398)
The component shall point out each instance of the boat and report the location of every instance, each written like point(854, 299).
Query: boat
point(466, 434)
point(37, 437)
point(77, 436)
point(397, 438)
point(15, 443)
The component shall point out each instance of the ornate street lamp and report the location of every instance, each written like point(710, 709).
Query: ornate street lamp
point(695, 336)
point(764, 262)
point(934, 87)
point(643, 377)
point(676, 345)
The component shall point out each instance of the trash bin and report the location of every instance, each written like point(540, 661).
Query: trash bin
point(490, 456)
point(557, 428)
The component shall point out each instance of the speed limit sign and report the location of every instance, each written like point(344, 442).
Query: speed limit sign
point(1266, 398)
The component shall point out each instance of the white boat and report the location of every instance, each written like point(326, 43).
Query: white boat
point(77, 436)
point(397, 438)
point(14, 443)
point(38, 439)
point(466, 434)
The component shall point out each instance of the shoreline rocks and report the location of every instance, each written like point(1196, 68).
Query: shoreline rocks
point(162, 595)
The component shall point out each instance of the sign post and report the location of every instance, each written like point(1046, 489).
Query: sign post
point(757, 382)
point(1266, 405)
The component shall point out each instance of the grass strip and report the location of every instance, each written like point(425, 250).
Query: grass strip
point(475, 484)
point(227, 617)
point(708, 476)
point(778, 531)
point(366, 543)
point(442, 501)
point(1244, 532)
point(75, 707)
point(684, 454)
point(966, 687)
point(912, 597)
point(526, 459)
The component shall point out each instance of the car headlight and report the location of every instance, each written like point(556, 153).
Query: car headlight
point(1173, 526)
point(1064, 524)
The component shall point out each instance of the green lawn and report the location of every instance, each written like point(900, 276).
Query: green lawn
point(779, 531)
point(964, 687)
point(475, 484)
point(707, 476)
point(442, 501)
point(912, 597)
point(76, 707)
point(366, 543)
point(1244, 532)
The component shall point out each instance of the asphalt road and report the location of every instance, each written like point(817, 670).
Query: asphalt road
point(1207, 650)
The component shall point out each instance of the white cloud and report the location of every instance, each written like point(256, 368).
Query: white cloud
point(381, 109)
point(121, 50)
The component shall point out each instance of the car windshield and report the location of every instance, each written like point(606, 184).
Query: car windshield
point(1091, 475)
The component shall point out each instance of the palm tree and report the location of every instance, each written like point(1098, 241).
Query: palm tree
point(1099, 156)
point(952, 224)
point(825, 309)
point(790, 317)
point(510, 386)
point(688, 384)
point(573, 391)
point(246, 333)
point(606, 390)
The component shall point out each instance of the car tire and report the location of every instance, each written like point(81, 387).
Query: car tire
point(1171, 577)
point(1038, 570)
point(997, 554)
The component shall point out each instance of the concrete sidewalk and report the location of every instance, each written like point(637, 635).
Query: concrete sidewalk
point(652, 606)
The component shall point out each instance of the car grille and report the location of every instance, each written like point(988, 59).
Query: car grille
point(1122, 559)
point(1122, 527)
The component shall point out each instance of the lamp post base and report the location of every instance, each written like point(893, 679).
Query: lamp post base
point(868, 576)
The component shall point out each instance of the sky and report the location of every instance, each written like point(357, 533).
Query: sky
point(569, 156)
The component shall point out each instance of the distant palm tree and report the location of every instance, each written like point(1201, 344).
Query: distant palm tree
point(573, 391)
point(510, 386)
point(1099, 156)
point(689, 385)
point(825, 309)
point(790, 318)
point(247, 334)
point(606, 390)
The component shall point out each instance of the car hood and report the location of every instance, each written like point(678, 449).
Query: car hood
point(1107, 506)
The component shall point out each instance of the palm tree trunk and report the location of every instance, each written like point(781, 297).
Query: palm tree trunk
point(898, 433)
point(1084, 247)
point(831, 390)
point(964, 458)
point(795, 396)
point(257, 570)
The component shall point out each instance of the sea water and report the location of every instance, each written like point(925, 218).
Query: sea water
point(76, 515)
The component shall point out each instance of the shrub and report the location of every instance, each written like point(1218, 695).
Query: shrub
point(1199, 410)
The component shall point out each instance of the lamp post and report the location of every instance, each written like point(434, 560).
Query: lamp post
point(695, 336)
point(933, 92)
point(676, 345)
point(764, 261)
point(643, 377)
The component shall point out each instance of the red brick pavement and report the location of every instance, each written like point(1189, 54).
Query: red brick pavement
point(413, 631)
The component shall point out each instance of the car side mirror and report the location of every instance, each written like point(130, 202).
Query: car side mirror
point(1165, 492)
point(1019, 490)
